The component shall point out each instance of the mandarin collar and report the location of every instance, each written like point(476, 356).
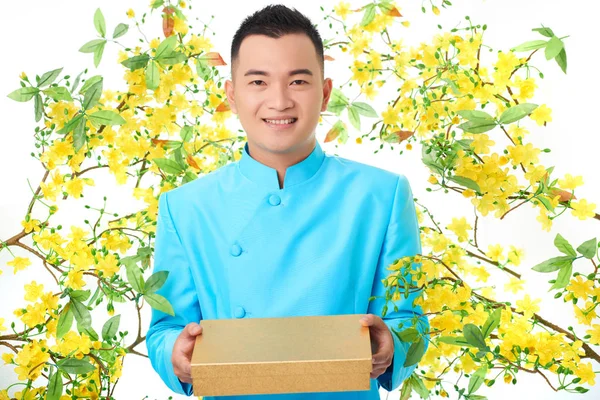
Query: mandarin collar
point(266, 176)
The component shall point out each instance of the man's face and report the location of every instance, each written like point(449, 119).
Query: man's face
point(263, 88)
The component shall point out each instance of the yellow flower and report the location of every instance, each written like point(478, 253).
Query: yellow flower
point(182, 4)
point(19, 263)
point(31, 225)
point(2, 327)
point(435, 10)
point(495, 252)
point(514, 285)
point(528, 306)
point(586, 373)
point(514, 255)
point(130, 13)
point(33, 291)
point(342, 9)
point(582, 209)
point(460, 228)
point(23, 76)
point(570, 182)
point(541, 115)
point(581, 288)
point(595, 334)
point(358, 140)
point(432, 179)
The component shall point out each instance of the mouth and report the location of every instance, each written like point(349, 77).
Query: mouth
point(280, 124)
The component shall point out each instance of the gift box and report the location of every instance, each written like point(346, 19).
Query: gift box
point(281, 355)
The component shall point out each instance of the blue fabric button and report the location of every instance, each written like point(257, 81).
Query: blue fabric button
point(240, 312)
point(235, 250)
point(274, 200)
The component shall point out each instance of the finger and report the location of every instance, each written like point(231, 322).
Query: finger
point(192, 329)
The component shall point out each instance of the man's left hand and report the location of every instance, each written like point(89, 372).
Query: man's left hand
point(382, 343)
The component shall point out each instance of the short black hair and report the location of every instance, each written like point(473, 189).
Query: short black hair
point(276, 20)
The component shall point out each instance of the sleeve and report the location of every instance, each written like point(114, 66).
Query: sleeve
point(402, 239)
point(179, 290)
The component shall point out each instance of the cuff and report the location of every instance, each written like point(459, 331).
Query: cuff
point(173, 381)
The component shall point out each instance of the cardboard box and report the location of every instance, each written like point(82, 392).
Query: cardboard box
point(282, 355)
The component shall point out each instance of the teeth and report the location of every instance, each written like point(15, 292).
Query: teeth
point(280, 121)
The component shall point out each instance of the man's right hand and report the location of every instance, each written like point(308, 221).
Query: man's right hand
point(182, 351)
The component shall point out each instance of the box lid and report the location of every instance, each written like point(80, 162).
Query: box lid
point(332, 344)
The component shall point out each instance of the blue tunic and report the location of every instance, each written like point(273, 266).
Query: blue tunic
point(238, 246)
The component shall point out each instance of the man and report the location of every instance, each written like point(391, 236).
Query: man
point(287, 230)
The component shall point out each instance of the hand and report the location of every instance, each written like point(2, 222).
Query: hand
point(182, 352)
point(382, 343)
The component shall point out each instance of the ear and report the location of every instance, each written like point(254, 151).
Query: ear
point(327, 88)
point(230, 95)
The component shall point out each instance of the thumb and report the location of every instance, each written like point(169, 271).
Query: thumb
point(192, 330)
point(188, 337)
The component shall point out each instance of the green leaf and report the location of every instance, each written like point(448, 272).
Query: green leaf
point(90, 82)
point(466, 182)
point(408, 335)
point(588, 248)
point(91, 46)
point(406, 389)
point(75, 366)
point(159, 303)
point(563, 278)
point(88, 330)
point(478, 126)
point(92, 95)
point(452, 85)
point(531, 45)
point(156, 281)
point(369, 14)
point(364, 109)
point(81, 313)
point(457, 341)
point(337, 101)
point(415, 352)
point(55, 385)
point(38, 107)
point(58, 93)
point(99, 22)
point(420, 387)
point(477, 379)
point(189, 176)
point(134, 274)
point(475, 115)
point(79, 136)
point(166, 47)
point(553, 264)
point(136, 62)
point(429, 159)
point(564, 246)
point(80, 295)
point(172, 58)
point(517, 112)
point(110, 327)
point(203, 69)
point(492, 322)
point(98, 54)
point(544, 31)
point(186, 133)
point(474, 336)
point(120, 30)
point(69, 126)
point(49, 77)
point(354, 117)
point(152, 76)
point(561, 60)
point(65, 321)
point(157, 3)
point(555, 46)
point(169, 166)
point(106, 117)
point(23, 94)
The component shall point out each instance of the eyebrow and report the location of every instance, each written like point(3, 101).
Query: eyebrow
point(300, 71)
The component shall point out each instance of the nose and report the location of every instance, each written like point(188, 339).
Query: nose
point(280, 97)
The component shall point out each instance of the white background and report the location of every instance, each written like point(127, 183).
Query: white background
point(38, 36)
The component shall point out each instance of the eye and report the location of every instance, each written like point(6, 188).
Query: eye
point(300, 80)
point(255, 81)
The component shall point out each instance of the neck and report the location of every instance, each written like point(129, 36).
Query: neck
point(281, 161)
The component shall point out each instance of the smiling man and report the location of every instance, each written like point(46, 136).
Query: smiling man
point(287, 230)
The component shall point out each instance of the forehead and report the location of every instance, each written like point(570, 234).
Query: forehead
point(277, 55)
